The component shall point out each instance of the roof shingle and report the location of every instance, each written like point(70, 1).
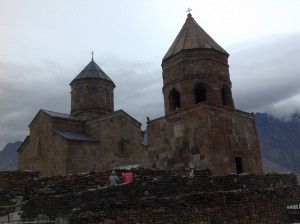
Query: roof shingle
point(61, 115)
point(192, 36)
point(92, 70)
point(74, 135)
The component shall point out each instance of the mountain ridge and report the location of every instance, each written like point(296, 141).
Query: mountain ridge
point(280, 139)
point(9, 156)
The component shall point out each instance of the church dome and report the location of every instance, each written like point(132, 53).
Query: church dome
point(92, 92)
point(92, 71)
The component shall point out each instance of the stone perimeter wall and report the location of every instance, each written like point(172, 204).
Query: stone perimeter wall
point(13, 183)
point(157, 196)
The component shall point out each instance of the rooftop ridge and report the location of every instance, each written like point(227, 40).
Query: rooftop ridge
point(61, 115)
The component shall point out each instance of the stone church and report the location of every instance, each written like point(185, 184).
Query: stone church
point(201, 127)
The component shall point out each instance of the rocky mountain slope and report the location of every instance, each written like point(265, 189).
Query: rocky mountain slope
point(280, 140)
point(9, 156)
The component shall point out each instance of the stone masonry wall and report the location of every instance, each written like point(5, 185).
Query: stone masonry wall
point(119, 142)
point(44, 144)
point(14, 182)
point(205, 137)
point(13, 185)
point(186, 70)
point(158, 196)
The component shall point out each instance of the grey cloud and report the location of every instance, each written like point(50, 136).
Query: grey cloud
point(139, 87)
point(267, 74)
point(265, 78)
point(27, 88)
point(24, 90)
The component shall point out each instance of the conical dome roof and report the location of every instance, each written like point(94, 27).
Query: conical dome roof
point(92, 70)
point(192, 36)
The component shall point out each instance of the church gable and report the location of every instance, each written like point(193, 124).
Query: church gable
point(118, 113)
point(119, 137)
point(53, 115)
point(44, 149)
point(24, 144)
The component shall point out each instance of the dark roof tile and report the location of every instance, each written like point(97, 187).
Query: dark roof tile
point(92, 70)
point(192, 36)
point(61, 115)
point(74, 135)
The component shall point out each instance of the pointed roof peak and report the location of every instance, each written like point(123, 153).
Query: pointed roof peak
point(92, 71)
point(189, 15)
point(192, 36)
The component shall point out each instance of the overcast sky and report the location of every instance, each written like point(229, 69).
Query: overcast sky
point(45, 44)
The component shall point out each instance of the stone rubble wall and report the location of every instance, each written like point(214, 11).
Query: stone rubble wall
point(158, 196)
point(13, 183)
point(12, 186)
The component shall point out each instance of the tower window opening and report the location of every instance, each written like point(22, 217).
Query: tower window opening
point(225, 96)
point(39, 152)
point(81, 97)
point(174, 100)
point(122, 147)
point(239, 165)
point(104, 97)
point(200, 94)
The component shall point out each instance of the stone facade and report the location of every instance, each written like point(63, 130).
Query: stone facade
point(116, 140)
point(44, 151)
point(119, 142)
point(201, 127)
point(193, 73)
point(91, 95)
point(205, 136)
point(92, 137)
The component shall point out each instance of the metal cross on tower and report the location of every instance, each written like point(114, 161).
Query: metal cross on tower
point(189, 11)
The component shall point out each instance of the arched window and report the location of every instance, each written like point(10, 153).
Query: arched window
point(200, 93)
point(104, 97)
point(226, 99)
point(81, 97)
point(39, 152)
point(93, 94)
point(122, 147)
point(174, 100)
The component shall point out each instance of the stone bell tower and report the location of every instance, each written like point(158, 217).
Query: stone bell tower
point(92, 93)
point(201, 127)
point(195, 70)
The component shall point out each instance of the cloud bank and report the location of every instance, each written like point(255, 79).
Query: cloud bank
point(264, 74)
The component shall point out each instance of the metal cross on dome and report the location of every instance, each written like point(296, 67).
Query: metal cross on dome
point(189, 10)
point(92, 55)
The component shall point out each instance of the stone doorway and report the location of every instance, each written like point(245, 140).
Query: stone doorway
point(239, 165)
